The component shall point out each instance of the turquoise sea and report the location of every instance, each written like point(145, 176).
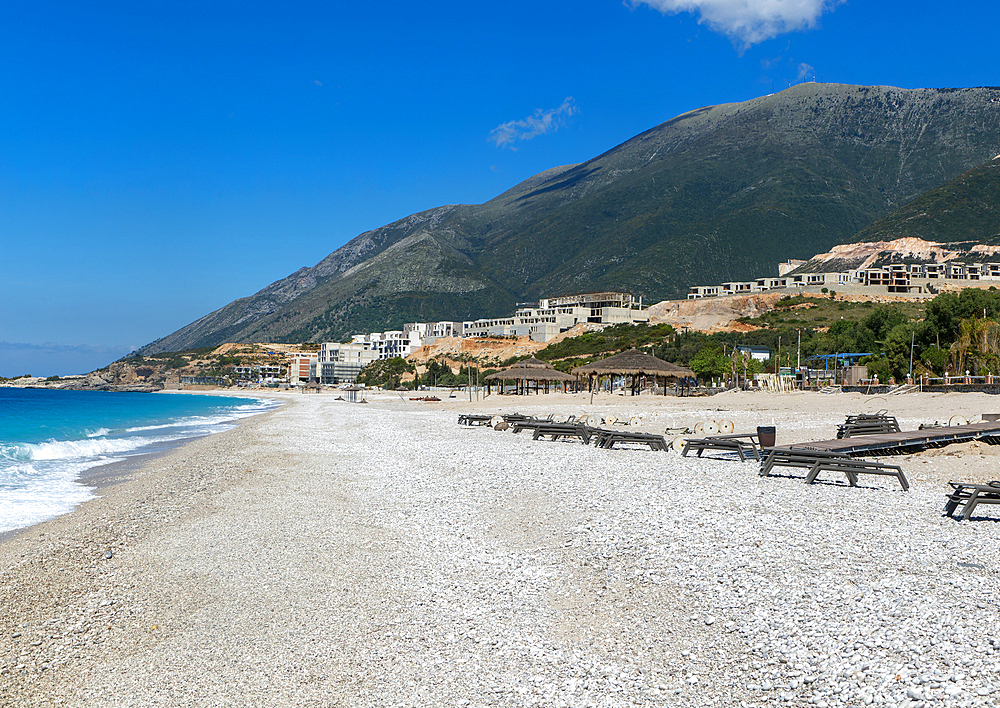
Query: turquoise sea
point(48, 438)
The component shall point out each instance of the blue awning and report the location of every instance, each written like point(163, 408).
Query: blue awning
point(848, 357)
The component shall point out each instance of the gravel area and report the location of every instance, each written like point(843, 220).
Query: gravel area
point(334, 554)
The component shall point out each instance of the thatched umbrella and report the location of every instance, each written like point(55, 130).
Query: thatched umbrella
point(352, 393)
point(634, 363)
point(530, 370)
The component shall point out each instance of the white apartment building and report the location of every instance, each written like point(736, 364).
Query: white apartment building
point(486, 327)
point(595, 301)
point(555, 315)
point(338, 363)
point(902, 278)
point(754, 352)
point(737, 288)
point(390, 344)
point(259, 372)
point(696, 292)
point(762, 285)
point(430, 331)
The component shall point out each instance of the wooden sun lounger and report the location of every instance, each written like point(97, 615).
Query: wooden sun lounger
point(517, 426)
point(563, 430)
point(791, 457)
point(817, 461)
point(852, 467)
point(741, 444)
point(877, 424)
point(607, 438)
point(971, 495)
point(512, 418)
point(471, 419)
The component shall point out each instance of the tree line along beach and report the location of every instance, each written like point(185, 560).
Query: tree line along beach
point(328, 553)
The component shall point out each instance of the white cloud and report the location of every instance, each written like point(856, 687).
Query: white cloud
point(806, 71)
point(538, 123)
point(749, 22)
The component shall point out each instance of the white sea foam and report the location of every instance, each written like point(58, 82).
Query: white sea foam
point(92, 448)
point(31, 494)
point(236, 413)
point(40, 480)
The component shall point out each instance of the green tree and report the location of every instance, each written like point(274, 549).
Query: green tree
point(710, 362)
point(387, 373)
point(878, 366)
point(896, 350)
point(437, 374)
point(746, 366)
point(882, 320)
point(934, 360)
point(977, 348)
point(946, 311)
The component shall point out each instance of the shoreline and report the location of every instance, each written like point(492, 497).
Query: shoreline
point(108, 474)
point(103, 476)
point(381, 554)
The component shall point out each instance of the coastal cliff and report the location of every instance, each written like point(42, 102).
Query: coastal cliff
point(124, 375)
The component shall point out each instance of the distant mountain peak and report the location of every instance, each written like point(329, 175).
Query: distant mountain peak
point(718, 193)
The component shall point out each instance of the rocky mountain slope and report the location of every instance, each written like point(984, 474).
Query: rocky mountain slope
point(959, 220)
point(720, 193)
point(964, 213)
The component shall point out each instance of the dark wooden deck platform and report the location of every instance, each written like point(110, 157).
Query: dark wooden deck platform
point(905, 442)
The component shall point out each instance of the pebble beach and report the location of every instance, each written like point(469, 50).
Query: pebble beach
point(339, 554)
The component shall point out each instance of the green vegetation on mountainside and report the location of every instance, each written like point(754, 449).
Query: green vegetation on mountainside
point(722, 193)
point(966, 209)
point(950, 333)
point(804, 312)
point(389, 373)
point(616, 338)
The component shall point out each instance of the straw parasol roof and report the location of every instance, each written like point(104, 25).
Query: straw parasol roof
point(534, 363)
point(634, 362)
point(531, 370)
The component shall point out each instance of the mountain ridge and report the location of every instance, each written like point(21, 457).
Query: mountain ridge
point(717, 193)
point(958, 221)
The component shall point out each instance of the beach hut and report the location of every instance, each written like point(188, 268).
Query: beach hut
point(527, 372)
point(635, 364)
point(352, 394)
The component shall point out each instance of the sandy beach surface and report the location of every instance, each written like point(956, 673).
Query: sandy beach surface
point(337, 554)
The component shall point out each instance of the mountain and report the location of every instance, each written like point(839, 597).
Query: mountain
point(960, 220)
point(965, 210)
point(720, 193)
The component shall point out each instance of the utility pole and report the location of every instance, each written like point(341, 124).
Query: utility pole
point(911, 355)
point(798, 350)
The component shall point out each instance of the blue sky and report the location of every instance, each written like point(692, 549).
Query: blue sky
point(159, 160)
